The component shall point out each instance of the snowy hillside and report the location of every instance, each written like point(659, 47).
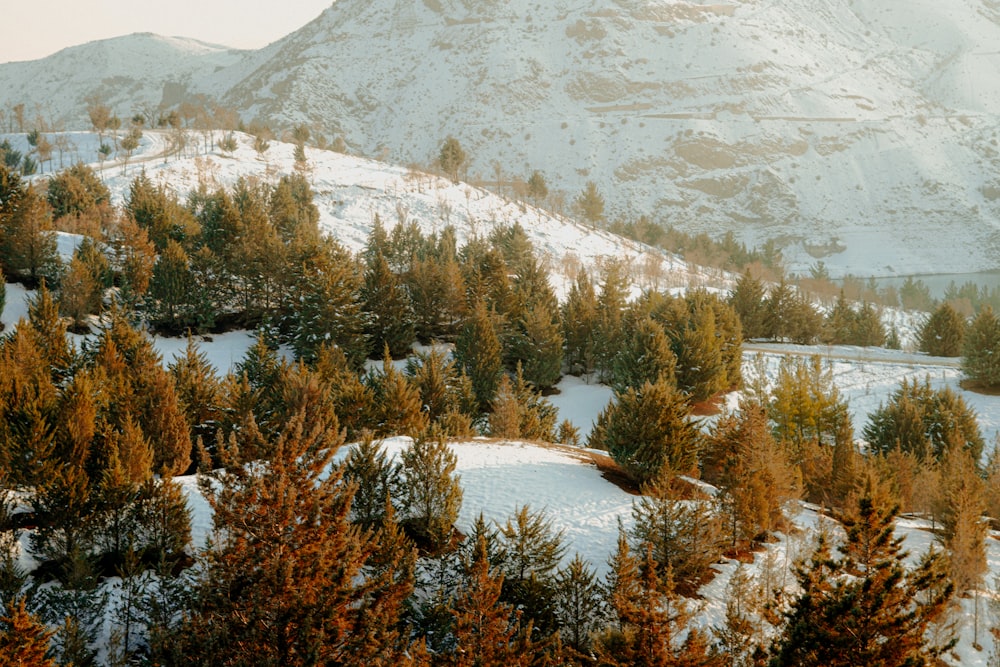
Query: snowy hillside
point(858, 132)
point(351, 191)
point(129, 74)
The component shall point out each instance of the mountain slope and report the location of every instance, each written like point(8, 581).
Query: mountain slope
point(814, 121)
point(129, 73)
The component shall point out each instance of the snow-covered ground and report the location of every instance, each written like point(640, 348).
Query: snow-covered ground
point(498, 478)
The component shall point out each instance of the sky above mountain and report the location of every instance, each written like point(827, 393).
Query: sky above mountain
point(31, 30)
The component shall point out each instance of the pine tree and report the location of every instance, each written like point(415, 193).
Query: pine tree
point(76, 191)
point(838, 329)
point(580, 605)
point(648, 429)
point(323, 304)
point(478, 354)
point(443, 389)
point(942, 334)
point(433, 495)
point(48, 330)
point(24, 640)
point(27, 240)
point(352, 399)
point(645, 357)
point(505, 416)
point(377, 478)
point(531, 552)
point(652, 617)
point(389, 318)
point(752, 472)
point(171, 287)
point(682, 536)
point(487, 632)
point(981, 349)
point(537, 347)
point(748, 299)
point(199, 391)
point(437, 293)
point(78, 294)
point(865, 608)
point(452, 158)
point(959, 508)
point(579, 323)
point(397, 406)
point(283, 583)
point(520, 412)
point(924, 421)
point(590, 204)
point(701, 347)
point(611, 304)
point(738, 637)
point(805, 406)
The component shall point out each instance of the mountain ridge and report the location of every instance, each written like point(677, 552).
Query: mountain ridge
point(832, 126)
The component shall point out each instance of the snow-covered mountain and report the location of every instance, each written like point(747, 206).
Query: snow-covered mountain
point(860, 132)
point(129, 74)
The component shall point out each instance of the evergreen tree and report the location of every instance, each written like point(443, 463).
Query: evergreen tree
point(981, 349)
point(487, 632)
point(683, 537)
point(284, 581)
point(612, 300)
point(652, 617)
point(531, 552)
point(323, 304)
point(748, 299)
point(433, 495)
point(865, 608)
point(24, 640)
point(478, 354)
point(537, 347)
point(580, 605)
point(171, 288)
point(648, 429)
point(27, 240)
point(645, 357)
point(706, 340)
point(752, 471)
point(520, 412)
point(923, 421)
point(805, 406)
point(199, 391)
point(389, 318)
point(580, 323)
point(443, 388)
point(397, 405)
point(838, 329)
point(437, 293)
point(868, 328)
point(291, 209)
point(76, 191)
point(590, 204)
point(452, 158)
point(376, 478)
point(942, 333)
point(959, 507)
point(79, 294)
point(537, 188)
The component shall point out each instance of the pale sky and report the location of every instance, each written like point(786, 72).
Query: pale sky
point(31, 29)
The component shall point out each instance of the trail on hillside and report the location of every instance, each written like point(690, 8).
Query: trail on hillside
point(850, 353)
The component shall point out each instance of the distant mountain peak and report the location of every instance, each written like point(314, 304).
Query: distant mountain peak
point(809, 121)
